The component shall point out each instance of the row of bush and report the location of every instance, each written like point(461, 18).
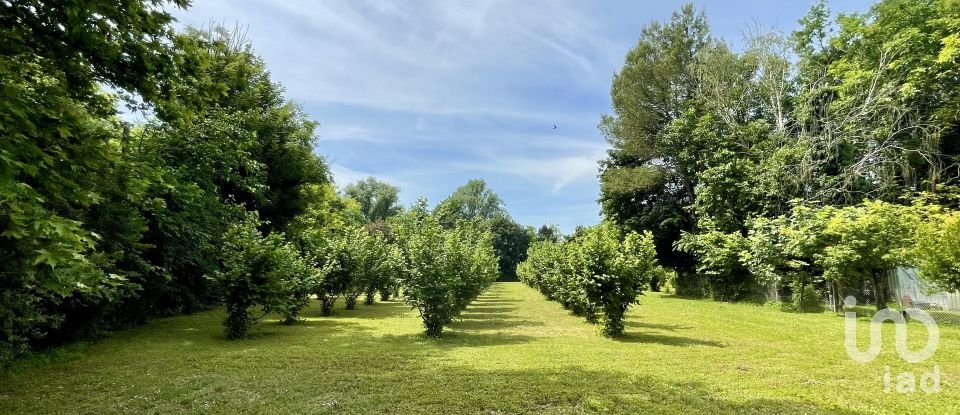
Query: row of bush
point(438, 270)
point(597, 274)
point(215, 197)
point(837, 248)
point(443, 270)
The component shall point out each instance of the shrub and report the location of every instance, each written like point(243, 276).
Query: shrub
point(329, 253)
point(616, 273)
point(442, 271)
point(257, 271)
point(597, 275)
point(719, 257)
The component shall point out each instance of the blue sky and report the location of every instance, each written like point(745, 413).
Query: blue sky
point(429, 94)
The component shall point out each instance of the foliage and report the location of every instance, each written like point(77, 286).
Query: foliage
point(472, 200)
point(60, 147)
point(938, 250)
point(719, 260)
point(378, 200)
point(549, 233)
point(443, 270)
point(598, 274)
point(260, 272)
point(510, 243)
point(616, 272)
point(107, 224)
point(867, 241)
point(706, 141)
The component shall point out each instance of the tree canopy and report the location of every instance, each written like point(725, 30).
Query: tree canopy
point(378, 200)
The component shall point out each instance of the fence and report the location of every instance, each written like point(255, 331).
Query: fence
point(906, 289)
point(912, 292)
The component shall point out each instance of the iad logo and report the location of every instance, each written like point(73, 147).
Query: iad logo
point(906, 381)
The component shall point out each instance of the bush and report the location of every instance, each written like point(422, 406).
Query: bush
point(597, 275)
point(668, 280)
point(719, 257)
point(442, 271)
point(257, 271)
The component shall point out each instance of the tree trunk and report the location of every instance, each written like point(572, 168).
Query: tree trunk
point(880, 290)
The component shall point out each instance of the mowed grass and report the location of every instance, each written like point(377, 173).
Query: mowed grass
point(512, 352)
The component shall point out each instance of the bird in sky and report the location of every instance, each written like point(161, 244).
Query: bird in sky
point(554, 126)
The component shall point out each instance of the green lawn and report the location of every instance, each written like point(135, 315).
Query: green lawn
point(513, 352)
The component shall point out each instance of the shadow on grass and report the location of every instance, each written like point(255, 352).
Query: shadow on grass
point(455, 339)
point(268, 329)
point(468, 323)
point(377, 310)
point(656, 326)
point(634, 337)
point(487, 310)
point(495, 301)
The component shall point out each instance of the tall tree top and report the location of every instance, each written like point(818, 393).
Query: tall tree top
point(472, 200)
point(378, 200)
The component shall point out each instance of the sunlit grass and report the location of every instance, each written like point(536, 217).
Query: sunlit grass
point(512, 352)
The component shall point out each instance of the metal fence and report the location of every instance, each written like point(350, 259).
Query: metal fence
point(912, 292)
point(906, 290)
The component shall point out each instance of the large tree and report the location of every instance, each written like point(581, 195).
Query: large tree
point(472, 200)
point(59, 154)
point(378, 200)
point(510, 242)
point(646, 181)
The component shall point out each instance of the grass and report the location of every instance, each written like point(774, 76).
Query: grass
point(512, 352)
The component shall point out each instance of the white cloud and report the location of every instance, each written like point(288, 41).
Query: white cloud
point(557, 172)
point(437, 57)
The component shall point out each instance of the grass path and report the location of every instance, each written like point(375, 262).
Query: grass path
point(512, 352)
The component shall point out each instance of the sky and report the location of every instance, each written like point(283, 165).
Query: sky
point(427, 95)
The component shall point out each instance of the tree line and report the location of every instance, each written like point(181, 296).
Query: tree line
point(796, 159)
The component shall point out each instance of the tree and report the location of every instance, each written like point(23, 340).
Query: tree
point(874, 93)
point(597, 275)
point(646, 182)
point(785, 250)
point(510, 243)
point(549, 233)
point(231, 130)
point(472, 200)
point(58, 140)
point(443, 270)
point(616, 273)
point(719, 259)
point(866, 242)
point(378, 200)
point(67, 37)
point(938, 250)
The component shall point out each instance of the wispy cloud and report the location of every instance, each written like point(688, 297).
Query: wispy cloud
point(427, 94)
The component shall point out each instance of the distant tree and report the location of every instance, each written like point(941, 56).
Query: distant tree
point(510, 243)
point(472, 200)
point(548, 233)
point(378, 200)
point(648, 180)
